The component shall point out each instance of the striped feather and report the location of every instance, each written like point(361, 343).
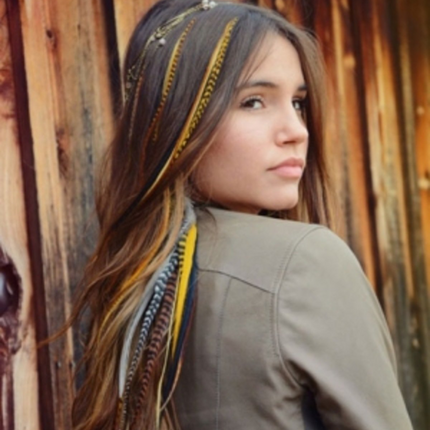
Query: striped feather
point(206, 88)
point(175, 365)
point(141, 306)
point(161, 278)
point(156, 343)
point(159, 405)
point(201, 101)
point(132, 326)
point(169, 77)
point(148, 318)
point(153, 309)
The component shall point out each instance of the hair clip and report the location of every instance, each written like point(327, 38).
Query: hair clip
point(208, 4)
point(159, 36)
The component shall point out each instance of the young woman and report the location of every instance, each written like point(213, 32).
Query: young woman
point(218, 298)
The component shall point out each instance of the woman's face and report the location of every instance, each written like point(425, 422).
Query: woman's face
point(259, 152)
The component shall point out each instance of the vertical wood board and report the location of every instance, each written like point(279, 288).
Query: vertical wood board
point(18, 358)
point(71, 117)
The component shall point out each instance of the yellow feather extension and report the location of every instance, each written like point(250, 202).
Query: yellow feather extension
point(186, 263)
point(202, 99)
point(205, 90)
point(116, 301)
point(175, 57)
point(184, 276)
point(168, 78)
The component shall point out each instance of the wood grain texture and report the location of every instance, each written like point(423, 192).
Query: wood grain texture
point(413, 58)
point(70, 106)
point(348, 142)
point(419, 49)
point(379, 138)
point(18, 371)
point(384, 67)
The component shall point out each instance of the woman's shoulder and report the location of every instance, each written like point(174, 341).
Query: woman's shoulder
point(259, 249)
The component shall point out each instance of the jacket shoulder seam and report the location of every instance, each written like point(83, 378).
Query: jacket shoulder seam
point(237, 278)
point(275, 302)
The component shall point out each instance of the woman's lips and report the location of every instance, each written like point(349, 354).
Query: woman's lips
point(290, 168)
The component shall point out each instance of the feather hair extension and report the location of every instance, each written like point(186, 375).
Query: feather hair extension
point(140, 308)
point(206, 88)
point(186, 255)
point(132, 326)
point(168, 79)
point(201, 101)
point(156, 343)
point(148, 309)
point(159, 403)
point(162, 401)
point(148, 318)
point(174, 367)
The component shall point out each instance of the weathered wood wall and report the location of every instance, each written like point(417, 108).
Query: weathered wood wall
point(18, 359)
point(59, 88)
point(378, 59)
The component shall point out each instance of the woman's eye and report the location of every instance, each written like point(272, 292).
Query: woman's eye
point(300, 105)
point(252, 103)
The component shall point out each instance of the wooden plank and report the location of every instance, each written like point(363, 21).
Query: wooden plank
point(416, 49)
point(18, 358)
point(413, 54)
point(70, 107)
point(421, 55)
point(290, 9)
point(353, 176)
point(41, 90)
point(383, 114)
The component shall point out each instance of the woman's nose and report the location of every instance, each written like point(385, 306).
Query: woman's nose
point(291, 128)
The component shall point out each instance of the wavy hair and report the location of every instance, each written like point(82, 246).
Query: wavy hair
point(141, 211)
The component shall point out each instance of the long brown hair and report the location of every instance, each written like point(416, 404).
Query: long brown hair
point(138, 230)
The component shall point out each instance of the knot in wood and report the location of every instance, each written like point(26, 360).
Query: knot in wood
point(10, 285)
point(6, 294)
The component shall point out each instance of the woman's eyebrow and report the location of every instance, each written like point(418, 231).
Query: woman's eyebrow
point(254, 84)
point(266, 84)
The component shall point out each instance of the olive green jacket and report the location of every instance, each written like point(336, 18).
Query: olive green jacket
point(287, 333)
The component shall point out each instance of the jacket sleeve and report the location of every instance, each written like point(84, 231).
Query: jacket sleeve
point(333, 338)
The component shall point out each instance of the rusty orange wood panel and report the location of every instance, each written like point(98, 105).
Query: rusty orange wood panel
point(70, 107)
point(19, 391)
point(386, 80)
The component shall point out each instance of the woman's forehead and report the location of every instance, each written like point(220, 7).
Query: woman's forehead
point(273, 50)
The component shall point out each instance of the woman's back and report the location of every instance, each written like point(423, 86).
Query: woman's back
point(285, 324)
